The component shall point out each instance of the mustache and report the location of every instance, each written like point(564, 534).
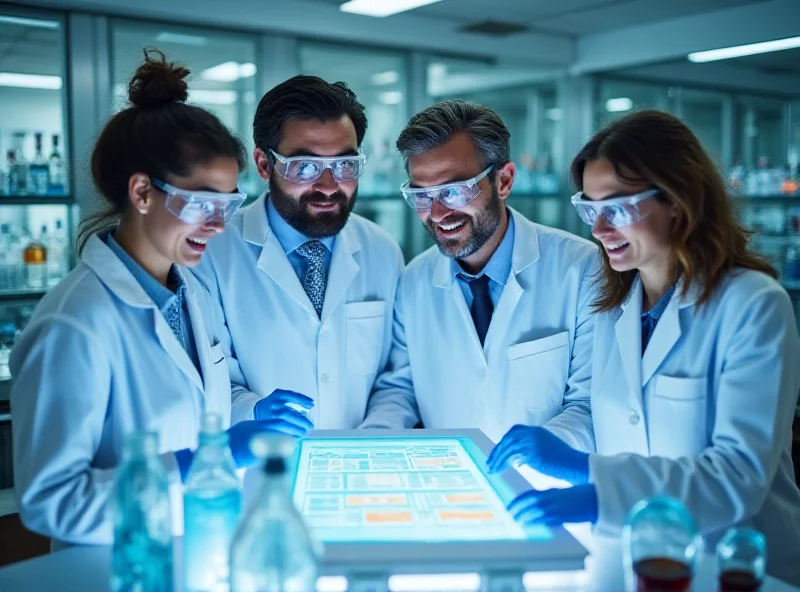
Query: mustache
point(319, 197)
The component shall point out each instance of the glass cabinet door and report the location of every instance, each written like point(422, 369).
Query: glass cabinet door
point(222, 79)
point(35, 190)
point(380, 81)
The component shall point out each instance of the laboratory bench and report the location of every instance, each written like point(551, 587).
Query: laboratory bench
point(365, 495)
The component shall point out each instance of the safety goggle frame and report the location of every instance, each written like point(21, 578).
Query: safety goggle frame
point(196, 207)
point(421, 198)
point(617, 211)
point(285, 164)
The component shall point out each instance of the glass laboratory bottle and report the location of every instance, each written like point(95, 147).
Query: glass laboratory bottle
point(142, 551)
point(56, 182)
point(741, 560)
point(40, 169)
point(18, 167)
point(661, 545)
point(273, 550)
point(212, 502)
point(35, 259)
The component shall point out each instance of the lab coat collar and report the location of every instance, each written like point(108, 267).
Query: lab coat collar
point(255, 227)
point(99, 257)
point(526, 251)
point(640, 368)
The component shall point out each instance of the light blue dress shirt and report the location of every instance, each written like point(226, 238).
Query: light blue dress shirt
point(498, 268)
point(173, 305)
point(290, 239)
point(650, 318)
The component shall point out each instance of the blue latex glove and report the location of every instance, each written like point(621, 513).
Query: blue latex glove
point(239, 436)
point(554, 507)
point(285, 409)
point(541, 450)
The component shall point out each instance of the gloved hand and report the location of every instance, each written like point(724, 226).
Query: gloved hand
point(284, 408)
point(554, 507)
point(541, 450)
point(239, 436)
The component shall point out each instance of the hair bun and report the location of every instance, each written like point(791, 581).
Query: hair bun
point(158, 82)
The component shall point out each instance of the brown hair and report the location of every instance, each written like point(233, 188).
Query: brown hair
point(158, 134)
point(658, 149)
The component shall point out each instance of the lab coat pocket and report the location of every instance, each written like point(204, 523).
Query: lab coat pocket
point(677, 416)
point(537, 378)
point(218, 385)
point(365, 332)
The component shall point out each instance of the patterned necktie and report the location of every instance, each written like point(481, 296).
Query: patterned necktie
point(482, 307)
point(314, 281)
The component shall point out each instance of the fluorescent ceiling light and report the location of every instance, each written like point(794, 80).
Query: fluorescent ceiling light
point(228, 72)
point(383, 78)
point(382, 8)
point(391, 97)
point(28, 22)
point(182, 39)
point(618, 105)
point(30, 81)
point(738, 51)
point(213, 97)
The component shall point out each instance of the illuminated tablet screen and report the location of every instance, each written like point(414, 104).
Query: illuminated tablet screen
point(403, 490)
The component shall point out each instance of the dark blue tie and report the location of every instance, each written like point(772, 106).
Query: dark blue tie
point(482, 307)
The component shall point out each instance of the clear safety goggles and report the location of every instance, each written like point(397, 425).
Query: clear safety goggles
point(196, 207)
point(307, 169)
point(453, 195)
point(617, 211)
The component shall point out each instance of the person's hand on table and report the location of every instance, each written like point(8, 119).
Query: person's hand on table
point(279, 413)
point(285, 412)
point(541, 450)
point(554, 507)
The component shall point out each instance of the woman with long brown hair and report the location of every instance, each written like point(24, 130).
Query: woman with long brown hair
point(696, 361)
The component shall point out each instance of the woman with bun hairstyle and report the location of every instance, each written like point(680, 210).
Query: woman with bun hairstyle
point(695, 369)
point(127, 341)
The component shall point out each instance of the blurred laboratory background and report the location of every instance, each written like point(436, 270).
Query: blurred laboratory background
point(554, 71)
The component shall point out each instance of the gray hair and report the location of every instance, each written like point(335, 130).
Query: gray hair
point(436, 125)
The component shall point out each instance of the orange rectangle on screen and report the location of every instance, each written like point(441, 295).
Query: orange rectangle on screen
point(354, 501)
point(465, 498)
point(389, 517)
point(466, 516)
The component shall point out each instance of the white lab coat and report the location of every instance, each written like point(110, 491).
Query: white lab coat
point(535, 365)
point(275, 339)
point(96, 362)
point(705, 415)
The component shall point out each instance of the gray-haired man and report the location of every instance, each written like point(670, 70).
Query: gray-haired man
point(492, 327)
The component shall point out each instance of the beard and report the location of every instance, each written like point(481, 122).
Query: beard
point(482, 225)
point(295, 210)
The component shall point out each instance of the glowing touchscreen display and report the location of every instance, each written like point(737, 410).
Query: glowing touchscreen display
point(403, 489)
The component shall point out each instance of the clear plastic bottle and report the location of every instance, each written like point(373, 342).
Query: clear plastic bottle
point(18, 167)
point(7, 261)
point(39, 169)
point(142, 551)
point(35, 258)
point(212, 502)
point(57, 255)
point(57, 181)
point(273, 550)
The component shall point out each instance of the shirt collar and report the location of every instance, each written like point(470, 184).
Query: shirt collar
point(161, 296)
point(658, 308)
point(289, 237)
point(498, 268)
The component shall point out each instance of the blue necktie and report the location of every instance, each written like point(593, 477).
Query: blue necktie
point(482, 307)
point(314, 280)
